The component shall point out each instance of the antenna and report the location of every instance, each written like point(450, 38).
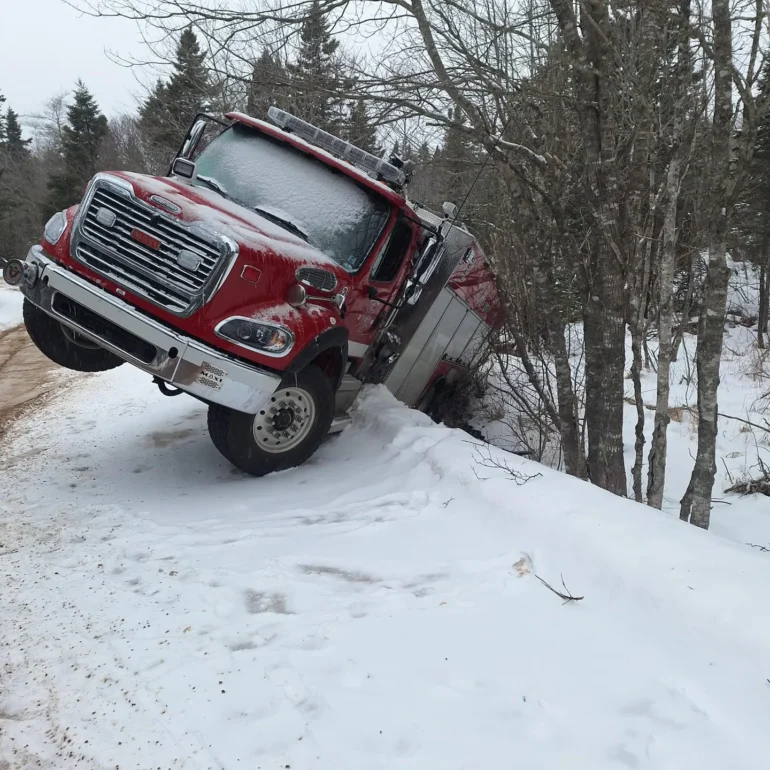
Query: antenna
point(459, 208)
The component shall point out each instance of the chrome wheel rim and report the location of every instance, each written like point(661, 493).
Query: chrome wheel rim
point(286, 420)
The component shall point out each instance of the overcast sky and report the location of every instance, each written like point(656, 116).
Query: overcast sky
point(45, 46)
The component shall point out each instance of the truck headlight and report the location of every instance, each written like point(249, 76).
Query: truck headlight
point(258, 335)
point(54, 227)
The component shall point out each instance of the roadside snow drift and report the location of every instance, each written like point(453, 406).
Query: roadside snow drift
point(375, 609)
point(11, 301)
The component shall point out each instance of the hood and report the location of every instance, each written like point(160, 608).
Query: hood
point(252, 232)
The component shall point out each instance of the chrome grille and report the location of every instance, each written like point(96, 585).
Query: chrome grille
point(155, 273)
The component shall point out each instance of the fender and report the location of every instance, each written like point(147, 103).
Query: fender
point(331, 338)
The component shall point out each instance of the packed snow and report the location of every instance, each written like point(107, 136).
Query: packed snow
point(379, 607)
point(11, 301)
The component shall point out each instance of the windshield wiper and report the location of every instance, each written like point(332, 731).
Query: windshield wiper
point(287, 224)
point(212, 184)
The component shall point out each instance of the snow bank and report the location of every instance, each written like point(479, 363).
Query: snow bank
point(11, 300)
point(376, 608)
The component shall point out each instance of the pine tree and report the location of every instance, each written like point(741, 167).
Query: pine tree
point(2, 120)
point(361, 131)
point(317, 74)
point(752, 230)
point(171, 106)
point(81, 141)
point(18, 205)
point(15, 144)
point(268, 86)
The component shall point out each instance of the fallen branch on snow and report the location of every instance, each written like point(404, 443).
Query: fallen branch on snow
point(486, 460)
point(567, 595)
point(751, 487)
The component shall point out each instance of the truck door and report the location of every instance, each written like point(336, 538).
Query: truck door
point(437, 259)
point(371, 307)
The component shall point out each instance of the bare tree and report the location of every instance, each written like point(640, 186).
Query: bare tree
point(682, 134)
point(727, 167)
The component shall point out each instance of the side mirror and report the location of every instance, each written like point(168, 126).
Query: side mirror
point(431, 255)
point(412, 292)
point(183, 167)
point(196, 132)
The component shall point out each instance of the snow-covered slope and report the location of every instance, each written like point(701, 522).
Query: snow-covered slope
point(377, 608)
point(743, 443)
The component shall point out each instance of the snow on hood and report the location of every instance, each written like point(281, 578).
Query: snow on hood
point(246, 227)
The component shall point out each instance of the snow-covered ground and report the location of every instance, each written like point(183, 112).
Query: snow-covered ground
point(10, 306)
point(744, 380)
point(744, 399)
point(377, 608)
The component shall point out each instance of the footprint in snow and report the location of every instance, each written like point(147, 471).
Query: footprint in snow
point(258, 602)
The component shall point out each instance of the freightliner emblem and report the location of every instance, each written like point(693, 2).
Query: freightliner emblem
point(164, 204)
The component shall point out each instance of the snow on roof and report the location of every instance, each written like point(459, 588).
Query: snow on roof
point(333, 160)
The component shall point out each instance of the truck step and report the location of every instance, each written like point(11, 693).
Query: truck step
point(340, 422)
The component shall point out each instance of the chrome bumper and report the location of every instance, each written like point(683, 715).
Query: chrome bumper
point(180, 361)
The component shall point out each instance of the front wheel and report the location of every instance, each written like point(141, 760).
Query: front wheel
point(285, 433)
point(65, 346)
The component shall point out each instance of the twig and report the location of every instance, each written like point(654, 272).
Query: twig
point(448, 501)
point(762, 548)
point(740, 419)
point(729, 475)
point(489, 461)
point(567, 595)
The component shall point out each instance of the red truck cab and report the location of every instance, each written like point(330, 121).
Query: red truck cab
point(272, 272)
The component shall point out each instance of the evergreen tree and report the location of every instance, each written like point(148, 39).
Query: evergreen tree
point(15, 144)
point(752, 228)
point(268, 86)
point(18, 206)
point(81, 141)
point(361, 131)
point(171, 106)
point(317, 74)
point(2, 120)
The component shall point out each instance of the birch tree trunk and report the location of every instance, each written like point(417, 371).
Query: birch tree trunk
point(696, 504)
point(656, 462)
point(656, 472)
point(574, 457)
point(638, 227)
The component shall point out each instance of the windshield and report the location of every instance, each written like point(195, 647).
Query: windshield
point(298, 192)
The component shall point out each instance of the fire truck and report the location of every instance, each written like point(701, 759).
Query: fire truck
point(272, 272)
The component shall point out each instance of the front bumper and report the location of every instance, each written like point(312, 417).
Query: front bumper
point(178, 360)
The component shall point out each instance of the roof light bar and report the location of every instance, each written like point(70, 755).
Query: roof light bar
point(339, 147)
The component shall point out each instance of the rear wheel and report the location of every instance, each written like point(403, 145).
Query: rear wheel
point(65, 346)
point(285, 433)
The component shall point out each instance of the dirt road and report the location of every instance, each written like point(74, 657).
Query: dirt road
point(26, 375)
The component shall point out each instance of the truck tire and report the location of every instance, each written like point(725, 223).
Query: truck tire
point(63, 346)
point(282, 435)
